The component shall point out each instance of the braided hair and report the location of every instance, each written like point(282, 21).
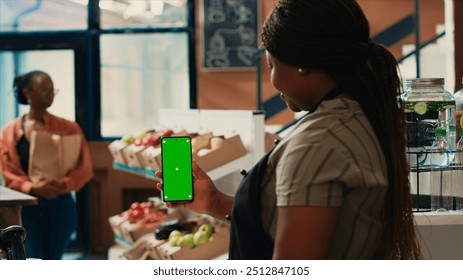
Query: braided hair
point(334, 35)
point(23, 81)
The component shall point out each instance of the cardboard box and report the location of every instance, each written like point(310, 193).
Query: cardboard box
point(217, 245)
point(133, 155)
point(144, 248)
point(131, 232)
point(117, 148)
point(231, 148)
point(201, 141)
point(115, 223)
point(152, 156)
point(152, 247)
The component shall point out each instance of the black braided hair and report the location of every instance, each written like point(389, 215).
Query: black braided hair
point(326, 34)
point(23, 81)
point(334, 35)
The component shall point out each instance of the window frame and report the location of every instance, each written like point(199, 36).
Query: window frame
point(87, 67)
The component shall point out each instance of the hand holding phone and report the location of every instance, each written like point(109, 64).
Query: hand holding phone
point(176, 169)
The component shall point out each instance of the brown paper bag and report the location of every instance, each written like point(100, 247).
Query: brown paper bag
point(52, 156)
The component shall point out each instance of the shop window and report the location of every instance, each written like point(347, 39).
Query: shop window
point(143, 13)
point(32, 15)
point(59, 64)
point(141, 73)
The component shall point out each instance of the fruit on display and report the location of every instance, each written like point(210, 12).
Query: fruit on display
point(138, 210)
point(186, 241)
point(174, 237)
point(152, 219)
point(164, 230)
point(203, 234)
point(216, 142)
point(129, 139)
point(191, 240)
point(147, 138)
point(203, 152)
point(166, 132)
point(135, 138)
point(147, 207)
point(153, 137)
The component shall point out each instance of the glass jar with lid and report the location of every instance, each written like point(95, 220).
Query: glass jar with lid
point(428, 106)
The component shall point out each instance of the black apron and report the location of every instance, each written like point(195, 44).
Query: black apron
point(248, 239)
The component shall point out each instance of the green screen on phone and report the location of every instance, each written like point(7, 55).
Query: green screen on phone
point(176, 169)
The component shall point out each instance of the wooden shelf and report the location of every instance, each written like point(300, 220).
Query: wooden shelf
point(141, 171)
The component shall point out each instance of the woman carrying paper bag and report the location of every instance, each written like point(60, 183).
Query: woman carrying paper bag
point(48, 157)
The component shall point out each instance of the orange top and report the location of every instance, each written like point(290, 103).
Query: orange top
point(10, 167)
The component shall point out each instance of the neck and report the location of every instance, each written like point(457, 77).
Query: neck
point(37, 114)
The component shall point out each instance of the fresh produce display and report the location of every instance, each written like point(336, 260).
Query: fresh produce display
point(174, 237)
point(130, 139)
point(163, 231)
point(141, 153)
point(138, 210)
point(153, 138)
point(191, 240)
point(214, 144)
point(203, 234)
point(152, 219)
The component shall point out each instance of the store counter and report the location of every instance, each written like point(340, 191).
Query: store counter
point(441, 235)
point(11, 202)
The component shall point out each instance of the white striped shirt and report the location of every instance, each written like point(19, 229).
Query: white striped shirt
point(331, 158)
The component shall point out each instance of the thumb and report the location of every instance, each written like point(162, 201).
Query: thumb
point(198, 172)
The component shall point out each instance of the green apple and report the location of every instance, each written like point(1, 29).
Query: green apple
point(203, 234)
point(206, 229)
point(186, 241)
point(175, 233)
point(174, 240)
point(129, 139)
point(140, 135)
point(200, 238)
point(174, 237)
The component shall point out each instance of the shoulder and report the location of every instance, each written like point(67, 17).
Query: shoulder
point(338, 130)
point(59, 123)
point(12, 127)
point(326, 127)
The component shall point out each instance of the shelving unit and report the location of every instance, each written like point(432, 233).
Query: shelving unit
point(439, 232)
point(248, 124)
point(424, 177)
point(141, 171)
point(215, 174)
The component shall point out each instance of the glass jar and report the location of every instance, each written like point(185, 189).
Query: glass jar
point(428, 106)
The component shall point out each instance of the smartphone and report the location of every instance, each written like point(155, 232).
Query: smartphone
point(176, 169)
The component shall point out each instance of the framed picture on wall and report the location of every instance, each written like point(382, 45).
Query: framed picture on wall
point(230, 34)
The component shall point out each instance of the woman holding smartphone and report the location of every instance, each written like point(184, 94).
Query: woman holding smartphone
point(336, 187)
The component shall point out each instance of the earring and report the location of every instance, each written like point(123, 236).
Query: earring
point(302, 71)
